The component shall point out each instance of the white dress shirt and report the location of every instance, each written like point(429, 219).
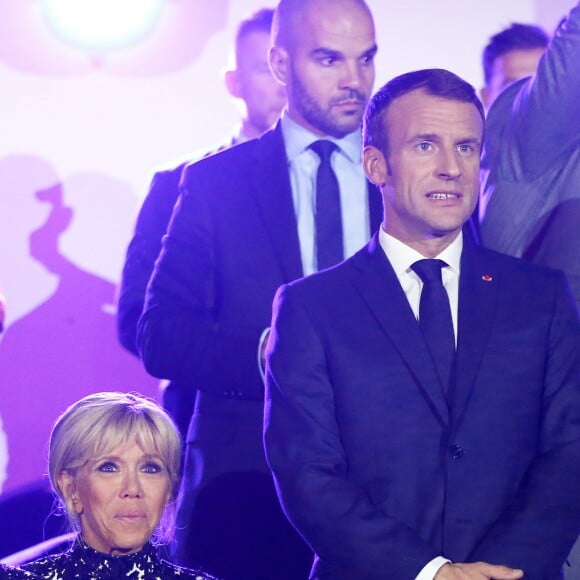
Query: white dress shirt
point(346, 162)
point(401, 258)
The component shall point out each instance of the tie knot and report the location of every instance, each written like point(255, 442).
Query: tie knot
point(429, 270)
point(323, 149)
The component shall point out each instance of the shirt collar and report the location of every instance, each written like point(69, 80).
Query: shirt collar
point(297, 139)
point(402, 256)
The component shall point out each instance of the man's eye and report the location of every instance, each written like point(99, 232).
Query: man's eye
point(465, 148)
point(327, 60)
point(424, 146)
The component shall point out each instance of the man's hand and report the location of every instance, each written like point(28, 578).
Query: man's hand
point(477, 571)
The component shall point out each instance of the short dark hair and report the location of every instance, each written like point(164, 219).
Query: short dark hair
point(517, 37)
point(260, 21)
point(436, 82)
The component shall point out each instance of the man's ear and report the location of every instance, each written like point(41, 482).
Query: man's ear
point(375, 165)
point(278, 59)
point(232, 81)
point(67, 484)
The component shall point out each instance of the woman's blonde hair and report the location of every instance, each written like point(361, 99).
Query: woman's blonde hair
point(99, 423)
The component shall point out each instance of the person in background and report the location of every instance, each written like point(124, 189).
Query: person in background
point(530, 199)
point(422, 415)
point(114, 464)
point(510, 55)
point(250, 218)
point(262, 99)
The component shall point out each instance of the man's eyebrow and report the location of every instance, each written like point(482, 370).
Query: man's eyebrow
point(424, 137)
point(371, 51)
point(436, 137)
point(323, 51)
point(470, 140)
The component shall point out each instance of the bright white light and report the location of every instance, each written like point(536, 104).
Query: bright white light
point(101, 25)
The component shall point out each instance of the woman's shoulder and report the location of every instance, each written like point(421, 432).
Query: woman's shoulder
point(174, 572)
point(81, 561)
point(10, 573)
point(53, 565)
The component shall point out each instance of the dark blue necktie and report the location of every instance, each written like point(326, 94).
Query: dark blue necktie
point(328, 220)
point(435, 316)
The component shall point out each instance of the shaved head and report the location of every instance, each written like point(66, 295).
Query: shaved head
point(290, 15)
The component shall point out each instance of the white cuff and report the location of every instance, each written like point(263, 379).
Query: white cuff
point(431, 568)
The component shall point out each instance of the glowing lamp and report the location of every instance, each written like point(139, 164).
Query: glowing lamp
point(101, 25)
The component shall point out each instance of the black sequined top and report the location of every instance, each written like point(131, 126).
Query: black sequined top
point(82, 562)
point(9, 573)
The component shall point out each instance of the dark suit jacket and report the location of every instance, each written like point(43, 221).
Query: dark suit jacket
point(151, 225)
point(152, 221)
point(143, 249)
point(378, 469)
point(232, 241)
point(531, 161)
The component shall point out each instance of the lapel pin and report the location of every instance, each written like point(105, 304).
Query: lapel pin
point(486, 278)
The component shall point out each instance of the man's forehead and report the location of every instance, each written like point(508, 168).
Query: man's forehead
point(335, 24)
point(422, 113)
point(254, 46)
point(517, 64)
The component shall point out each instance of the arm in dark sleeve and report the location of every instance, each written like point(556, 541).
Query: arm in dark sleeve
point(176, 325)
point(349, 533)
point(539, 527)
point(541, 119)
point(142, 252)
point(185, 333)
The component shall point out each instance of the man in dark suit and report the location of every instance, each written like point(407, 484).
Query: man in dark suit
point(262, 98)
point(427, 429)
point(244, 225)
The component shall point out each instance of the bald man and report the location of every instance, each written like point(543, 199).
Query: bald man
point(245, 225)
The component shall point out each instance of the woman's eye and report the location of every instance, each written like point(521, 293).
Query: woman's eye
point(107, 467)
point(152, 467)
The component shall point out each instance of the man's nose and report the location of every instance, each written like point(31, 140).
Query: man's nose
point(351, 75)
point(449, 166)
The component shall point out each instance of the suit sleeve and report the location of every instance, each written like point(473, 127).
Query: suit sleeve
point(541, 121)
point(349, 533)
point(540, 525)
point(142, 252)
point(182, 334)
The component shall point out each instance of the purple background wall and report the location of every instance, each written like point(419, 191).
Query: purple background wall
point(81, 134)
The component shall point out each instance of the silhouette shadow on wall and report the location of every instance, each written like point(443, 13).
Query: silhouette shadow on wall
point(61, 350)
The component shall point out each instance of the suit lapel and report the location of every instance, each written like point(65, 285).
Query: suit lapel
point(382, 291)
point(272, 191)
point(478, 291)
point(270, 187)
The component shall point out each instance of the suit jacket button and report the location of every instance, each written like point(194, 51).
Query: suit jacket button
point(456, 451)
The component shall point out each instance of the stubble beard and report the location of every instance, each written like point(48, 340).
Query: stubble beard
point(323, 119)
